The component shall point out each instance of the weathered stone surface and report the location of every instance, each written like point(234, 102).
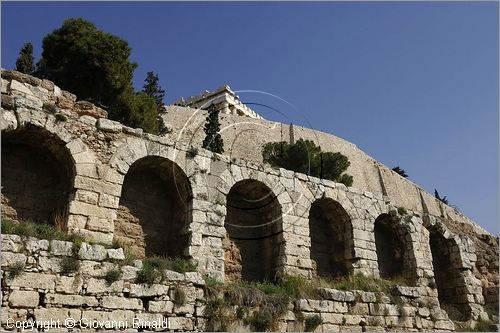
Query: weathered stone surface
point(116, 254)
point(114, 302)
point(161, 306)
point(92, 252)
point(107, 125)
point(142, 290)
point(9, 259)
point(100, 286)
point(24, 299)
point(33, 280)
point(71, 300)
point(61, 248)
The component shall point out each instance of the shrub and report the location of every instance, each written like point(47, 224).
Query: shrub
point(60, 117)
point(69, 265)
point(16, 269)
point(181, 265)
point(311, 323)
point(113, 275)
point(306, 157)
point(49, 107)
point(261, 321)
point(402, 211)
point(179, 296)
point(192, 152)
point(37, 230)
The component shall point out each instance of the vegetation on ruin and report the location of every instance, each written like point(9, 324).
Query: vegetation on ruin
point(442, 199)
point(15, 269)
point(153, 268)
point(69, 265)
point(306, 157)
point(25, 61)
point(232, 301)
point(113, 275)
point(311, 323)
point(96, 66)
point(400, 171)
point(213, 140)
point(480, 326)
point(38, 230)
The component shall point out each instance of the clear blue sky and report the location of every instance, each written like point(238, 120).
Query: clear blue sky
point(412, 84)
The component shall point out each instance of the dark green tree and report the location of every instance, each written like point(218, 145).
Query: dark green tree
point(25, 61)
point(152, 88)
point(95, 65)
point(213, 140)
point(443, 199)
point(306, 157)
point(400, 171)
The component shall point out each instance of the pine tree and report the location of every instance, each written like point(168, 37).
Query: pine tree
point(443, 199)
point(153, 89)
point(400, 171)
point(213, 140)
point(25, 61)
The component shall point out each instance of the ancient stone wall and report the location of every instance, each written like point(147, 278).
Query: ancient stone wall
point(169, 197)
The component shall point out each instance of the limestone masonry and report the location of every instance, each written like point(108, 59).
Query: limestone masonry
point(64, 162)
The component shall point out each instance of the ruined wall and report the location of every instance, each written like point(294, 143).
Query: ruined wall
point(103, 155)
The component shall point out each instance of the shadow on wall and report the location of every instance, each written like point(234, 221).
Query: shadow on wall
point(37, 177)
point(254, 226)
point(154, 209)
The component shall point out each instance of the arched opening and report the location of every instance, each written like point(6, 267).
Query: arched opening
point(37, 177)
point(450, 283)
point(331, 238)
point(154, 209)
point(254, 232)
point(390, 247)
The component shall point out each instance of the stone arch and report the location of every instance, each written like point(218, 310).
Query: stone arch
point(38, 176)
point(392, 248)
point(330, 230)
point(155, 208)
point(448, 276)
point(254, 227)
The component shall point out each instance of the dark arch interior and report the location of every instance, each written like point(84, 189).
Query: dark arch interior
point(390, 248)
point(153, 214)
point(37, 177)
point(254, 232)
point(331, 238)
point(449, 282)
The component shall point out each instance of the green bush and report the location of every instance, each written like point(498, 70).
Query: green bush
point(402, 211)
point(60, 117)
point(179, 296)
point(37, 230)
point(306, 157)
point(16, 269)
point(113, 275)
point(69, 265)
point(153, 268)
point(49, 107)
point(311, 323)
point(261, 321)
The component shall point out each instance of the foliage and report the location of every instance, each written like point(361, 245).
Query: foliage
point(89, 62)
point(38, 230)
point(306, 157)
point(152, 88)
point(49, 107)
point(480, 326)
point(25, 61)
point(442, 199)
point(95, 65)
point(400, 171)
point(113, 275)
point(213, 140)
point(311, 323)
point(179, 296)
point(402, 211)
point(60, 117)
point(153, 268)
point(16, 269)
point(69, 265)
point(192, 152)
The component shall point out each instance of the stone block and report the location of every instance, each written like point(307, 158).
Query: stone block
point(34, 245)
point(107, 125)
point(61, 248)
point(92, 252)
point(332, 318)
point(33, 280)
point(24, 299)
point(11, 243)
point(115, 302)
point(100, 286)
point(10, 258)
point(142, 290)
point(161, 306)
point(71, 300)
point(49, 314)
point(180, 323)
point(8, 120)
point(50, 264)
point(129, 272)
point(69, 284)
point(116, 254)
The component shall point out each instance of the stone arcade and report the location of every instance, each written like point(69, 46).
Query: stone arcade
point(237, 218)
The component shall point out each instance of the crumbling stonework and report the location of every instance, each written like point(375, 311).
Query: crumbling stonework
point(225, 212)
